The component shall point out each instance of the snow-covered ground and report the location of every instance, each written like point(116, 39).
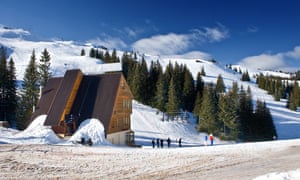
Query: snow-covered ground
point(38, 153)
point(64, 159)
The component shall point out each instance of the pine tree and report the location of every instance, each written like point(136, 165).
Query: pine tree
point(202, 73)
point(178, 83)
point(152, 79)
point(172, 106)
point(188, 91)
point(139, 82)
point(82, 53)
point(220, 86)
point(143, 78)
point(125, 64)
point(197, 106)
point(161, 92)
point(294, 98)
point(245, 76)
point(169, 72)
point(44, 68)
point(3, 85)
point(264, 128)
point(279, 90)
point(107, 58)
point(199, 84)
point(99, 54)
point(168, 75)
point(92, 53)
point(246, 114)
point(208, 111)
point(228, 116)
point(30, 92)
point(128, 66)
point(114, 57)
point(12, 93)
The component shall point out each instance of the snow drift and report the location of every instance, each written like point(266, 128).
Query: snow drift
point(90, 128)
point(35, 133)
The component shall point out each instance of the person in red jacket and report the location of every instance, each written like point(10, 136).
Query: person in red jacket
point(211, 138)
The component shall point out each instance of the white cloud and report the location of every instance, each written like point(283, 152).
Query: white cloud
point(172, 43)
point(133, 32)
point(279, 61)
point(109, 42)
point(295, 53)
point(208, 34)
point(263, 61)
point(17, 31)
point(191, 55)
point(162, 44)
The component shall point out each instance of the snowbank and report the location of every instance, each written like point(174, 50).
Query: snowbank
point(90, 128)
point(290, 175)
point(35, 133)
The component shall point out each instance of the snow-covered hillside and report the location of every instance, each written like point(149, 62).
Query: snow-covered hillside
point(66, 55)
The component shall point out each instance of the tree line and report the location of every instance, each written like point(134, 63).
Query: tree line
point(17, 106)
point(281, 88)
point(101, 55)
point(230, 115)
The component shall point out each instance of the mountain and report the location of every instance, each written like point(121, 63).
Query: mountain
point(66, 55)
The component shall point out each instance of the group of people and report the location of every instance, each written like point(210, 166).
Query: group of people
point(211, 139)
point(160, 142)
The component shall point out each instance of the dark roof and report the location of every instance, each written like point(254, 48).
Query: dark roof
point(61, 97)
point(48, 95)
point(96, 97)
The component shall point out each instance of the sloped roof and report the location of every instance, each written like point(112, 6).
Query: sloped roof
point(95, 97)
point(61, 97)
point(48, 95)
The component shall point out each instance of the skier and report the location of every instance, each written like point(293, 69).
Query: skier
point(157, 142)
point(211, 138)
point(205, 140)
point(153, 143)
point(179, 142)
point(169, 142)
point(162, 143)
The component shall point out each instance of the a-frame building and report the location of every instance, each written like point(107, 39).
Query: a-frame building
point(71, 99)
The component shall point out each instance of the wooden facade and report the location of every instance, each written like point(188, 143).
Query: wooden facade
point(71, 99)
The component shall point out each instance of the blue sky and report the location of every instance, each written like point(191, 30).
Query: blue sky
point(264, 33)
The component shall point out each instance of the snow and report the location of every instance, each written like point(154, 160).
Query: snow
point(35, 133)
point(147, 122)
point(90, 128)
point(280, 176)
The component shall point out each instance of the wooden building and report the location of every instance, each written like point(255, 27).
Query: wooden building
point(71, 99)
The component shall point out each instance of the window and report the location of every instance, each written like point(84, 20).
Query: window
point(122, 84)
